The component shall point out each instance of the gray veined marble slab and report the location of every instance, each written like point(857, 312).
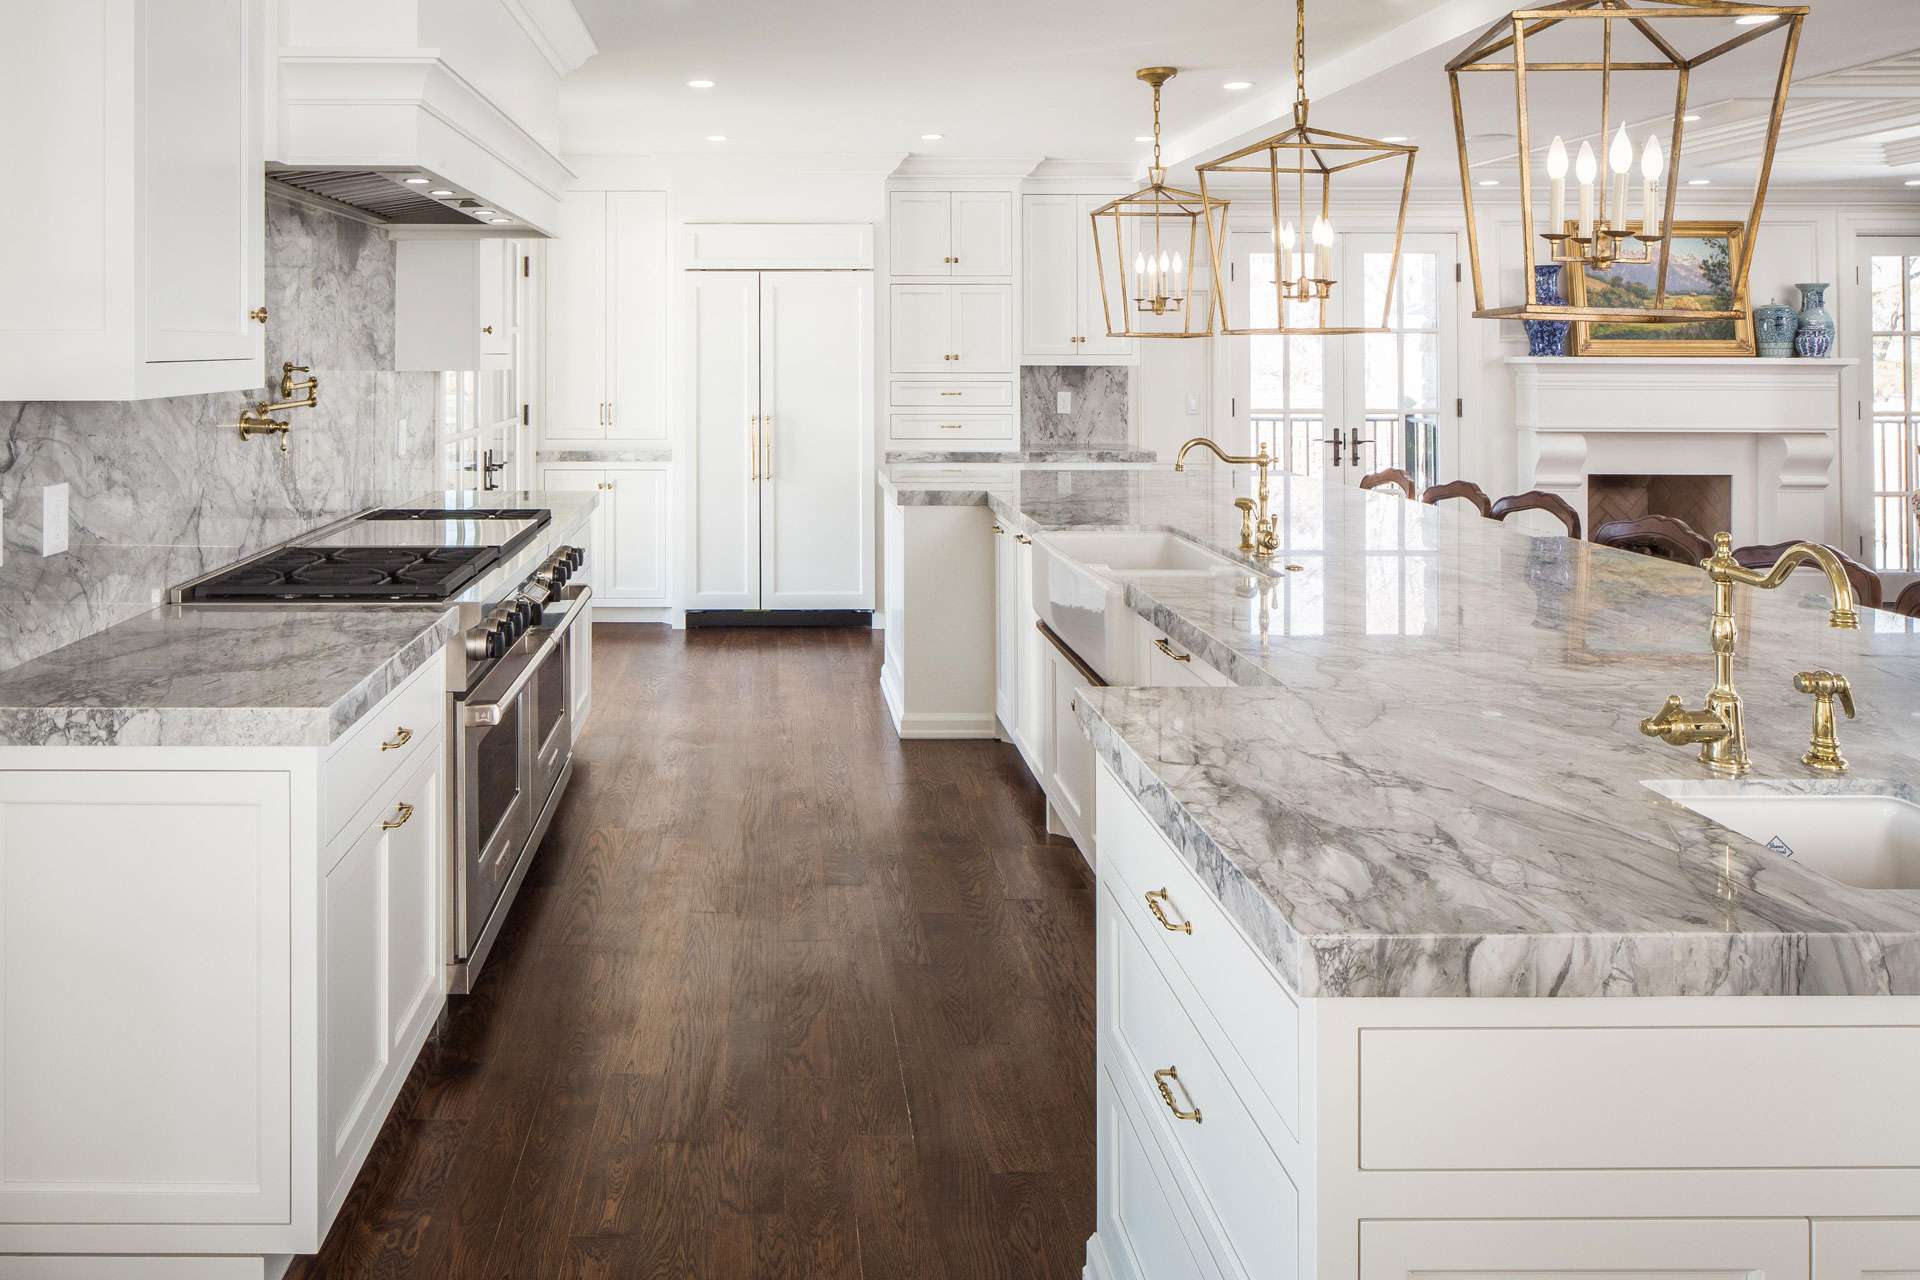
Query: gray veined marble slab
point(607, 454)
point(965, 456)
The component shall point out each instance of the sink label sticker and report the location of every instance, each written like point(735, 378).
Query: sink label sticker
point(1780, 847)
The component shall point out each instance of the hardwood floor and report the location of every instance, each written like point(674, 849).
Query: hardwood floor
point(782, 996)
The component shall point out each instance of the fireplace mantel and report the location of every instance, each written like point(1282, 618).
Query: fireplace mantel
point(1773, 426)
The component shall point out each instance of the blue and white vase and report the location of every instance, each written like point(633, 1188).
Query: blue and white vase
point(1774, 325)
point(1547, 337)
point(1815, 338)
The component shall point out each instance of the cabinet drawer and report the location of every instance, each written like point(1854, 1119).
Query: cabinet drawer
point(978, 426)
point(383, 743)
point(1257, 1019)
point(1247, 1202)
point(1146, 1228)
point(1576, 1249)
point(952, 395)
point(1168, 663)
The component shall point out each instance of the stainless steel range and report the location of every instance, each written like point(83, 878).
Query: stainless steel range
point(509, 677)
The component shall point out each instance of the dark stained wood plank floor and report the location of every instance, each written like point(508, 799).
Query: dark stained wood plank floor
point(783, 996)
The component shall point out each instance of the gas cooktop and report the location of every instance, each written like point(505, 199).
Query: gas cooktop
point(350, 573)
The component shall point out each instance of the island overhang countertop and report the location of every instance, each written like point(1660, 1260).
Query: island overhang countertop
point(1429, 780)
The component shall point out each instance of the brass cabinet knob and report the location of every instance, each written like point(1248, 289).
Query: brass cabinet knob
point(258, 313)
point(486, 328)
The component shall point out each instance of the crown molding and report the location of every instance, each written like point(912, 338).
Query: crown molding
point(556, 30)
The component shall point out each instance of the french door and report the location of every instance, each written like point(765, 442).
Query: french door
point(1340, 407)
point(1890, 268)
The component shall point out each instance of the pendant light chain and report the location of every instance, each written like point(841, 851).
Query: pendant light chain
point(1156, 132)
point(1300, 53)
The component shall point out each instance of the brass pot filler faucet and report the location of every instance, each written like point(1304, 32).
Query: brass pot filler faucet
point(1718, 728)
point(1259, 536)
point(259, 420)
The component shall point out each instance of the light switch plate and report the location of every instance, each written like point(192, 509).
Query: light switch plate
point(1063, 402)
point(1193, 406)
point(53, 519)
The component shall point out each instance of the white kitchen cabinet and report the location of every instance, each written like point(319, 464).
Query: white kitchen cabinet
point(958, 233)
point(951, 426)
point(1069, 759)
point(630, 553)
point(1031, 648)
point(591, 540)
point(607, 318)
point(1006, 635)
point(455, 303)
point(952, 328)
point(1652, 1249)
point(132, 235)
point(1062, 319)
point(1856, 1249)
point(782, 407)
point(1145, 1230)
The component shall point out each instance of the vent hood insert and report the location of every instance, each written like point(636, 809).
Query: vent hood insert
point(384, 196)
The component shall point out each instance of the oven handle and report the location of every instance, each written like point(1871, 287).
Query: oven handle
point(488, 713)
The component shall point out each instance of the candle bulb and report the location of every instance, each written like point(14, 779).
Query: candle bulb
point(1164, 276)
point(1557, 185)
point(1585, 169)
point(1179, 274)
point(1139, 275)
point(1619, 159)
point(1651, 162)
point(1322, 247)
point(1284, 271)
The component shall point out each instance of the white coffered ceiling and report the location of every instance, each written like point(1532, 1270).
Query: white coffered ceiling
point(1010, 78)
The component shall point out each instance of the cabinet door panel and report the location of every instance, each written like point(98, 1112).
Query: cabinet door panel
point(816, 498)
point(982, 233)
point(724, 332)
point(499, 260)
point(1049, 303)
point(922, 326)
point(982, 328)
point(1006, 650)
point(1665, 1249)
point(1070, 759)
point(638, 500)
point(637, 315)
point(1858, 1249)
point(201, 190)
point(577, 320)
point(920, 233)
point(1095, 274)
point(1140, 1227)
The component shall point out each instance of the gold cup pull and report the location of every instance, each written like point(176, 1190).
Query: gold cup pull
point(1161, 1079)
point(1154, 898)
point(400, 739)
point(403, 814)
point(1162, 645)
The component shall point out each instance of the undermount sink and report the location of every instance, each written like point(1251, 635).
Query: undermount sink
point(1125, 551)
point(1868, 840)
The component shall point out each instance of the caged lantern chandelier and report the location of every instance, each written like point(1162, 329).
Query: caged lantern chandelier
point(1153, 235)
point(1602, 231)
point(1297, 168)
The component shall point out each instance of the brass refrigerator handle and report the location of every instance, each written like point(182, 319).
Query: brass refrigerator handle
point(753, 448)
point(766, 468)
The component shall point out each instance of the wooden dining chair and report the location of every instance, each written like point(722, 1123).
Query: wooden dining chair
point(1540, 500)
point(1391, 476)
point(1662, 537)
point(1868, 591)
point(1908, 601)
point(1466, 490)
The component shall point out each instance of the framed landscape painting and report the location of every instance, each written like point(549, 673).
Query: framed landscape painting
point(1699, 277)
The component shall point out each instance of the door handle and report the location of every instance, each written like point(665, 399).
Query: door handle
point(1338, 442)
point(1353, 454)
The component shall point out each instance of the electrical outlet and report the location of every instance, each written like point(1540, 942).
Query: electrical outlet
point(1063, 402)
point(53, 519)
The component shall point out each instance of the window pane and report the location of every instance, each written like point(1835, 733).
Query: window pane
point(1306, 382)
point(1382, 354)
point(1887, 302)
point(1269, 373)
point(1374, 272)
point(1419, 291)
point(1421, 385)
point(1262, 311)
point(1889, 387)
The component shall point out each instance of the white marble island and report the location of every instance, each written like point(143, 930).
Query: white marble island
point(1387, 903)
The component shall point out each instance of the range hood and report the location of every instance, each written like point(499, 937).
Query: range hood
point(397, 197)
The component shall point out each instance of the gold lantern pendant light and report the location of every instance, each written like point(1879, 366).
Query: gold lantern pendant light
point(1153, 236)
point(1603, 233)
point(1299, 167)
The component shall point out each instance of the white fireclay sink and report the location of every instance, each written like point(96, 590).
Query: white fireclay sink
point(1125, 551)
point(1871, 841)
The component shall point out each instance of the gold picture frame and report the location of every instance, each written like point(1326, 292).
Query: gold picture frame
point(1704, 255)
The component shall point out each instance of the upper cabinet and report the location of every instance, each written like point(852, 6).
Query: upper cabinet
point(950, 233)
point(1062, 319)
point(952, 328)
point(607, 318)
point(454, 303)
point(132, 235)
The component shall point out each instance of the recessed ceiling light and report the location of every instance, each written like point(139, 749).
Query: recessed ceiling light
point(716, 137)
point(1699, 182)
point(1395, 137)
point(1235, 86)
point(1489, 182)
point(699, 84)
point(418, 182)
point(932, 137)
point(1913, 182)
point(1688, 119)
point(499, 219)
point(440, 191)
point(1755, 20)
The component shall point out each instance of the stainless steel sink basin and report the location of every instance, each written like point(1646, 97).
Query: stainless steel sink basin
point(1862, 838)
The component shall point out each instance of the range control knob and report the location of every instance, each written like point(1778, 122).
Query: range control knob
point(578, 555)
point(507, 623)
point(485, 641)
point(528, 610)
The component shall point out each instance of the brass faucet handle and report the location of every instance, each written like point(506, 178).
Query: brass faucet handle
point(1823, 746)
point(1246, 523)
point(1825, 686)
point(1675, 725)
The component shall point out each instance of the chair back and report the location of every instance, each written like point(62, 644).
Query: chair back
point(1389, 477)
point(1662, 537)
point(1540, 500)
point(1465, 490)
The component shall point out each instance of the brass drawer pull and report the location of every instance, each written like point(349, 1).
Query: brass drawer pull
point(405, 812)
point(952, 393)
point(1154, 898)
point(1160, 1078)
point(1023, 539)
point(400, 739)
point(1162, 645)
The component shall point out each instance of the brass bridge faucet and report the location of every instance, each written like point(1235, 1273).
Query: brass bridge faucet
point(1259, 535)
point(259, 420)
point(1719, 728)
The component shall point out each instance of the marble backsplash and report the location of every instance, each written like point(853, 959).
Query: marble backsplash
point(163, 490)
point(1099, 418)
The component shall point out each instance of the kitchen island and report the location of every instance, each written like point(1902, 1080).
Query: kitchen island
point(1376, 876)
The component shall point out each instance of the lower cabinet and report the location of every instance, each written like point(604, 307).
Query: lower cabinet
point(1145, 1229)
point(1031, 654)
point(1068, 758)
point(1647, 1249)
point(1857, 1249)
point(1006, 632)
point(630, 539)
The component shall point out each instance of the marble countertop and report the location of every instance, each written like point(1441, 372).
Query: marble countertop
point(1059, 455)
point(1431, 781)
point(252, 675)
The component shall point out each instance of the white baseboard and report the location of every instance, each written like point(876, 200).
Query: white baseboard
point(949, 724)
point(604, 613)
point(1097, 1267)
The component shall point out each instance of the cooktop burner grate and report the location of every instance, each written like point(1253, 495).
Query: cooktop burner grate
point(351, 573)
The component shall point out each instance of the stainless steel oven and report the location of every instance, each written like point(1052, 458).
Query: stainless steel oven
point(513, 753)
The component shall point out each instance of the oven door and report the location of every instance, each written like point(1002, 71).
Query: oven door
point(552, 688)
